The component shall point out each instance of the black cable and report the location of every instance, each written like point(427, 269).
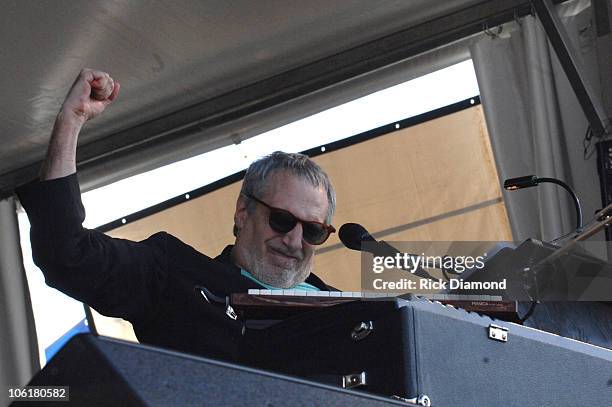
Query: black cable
point(529, 312)
point(446, 276)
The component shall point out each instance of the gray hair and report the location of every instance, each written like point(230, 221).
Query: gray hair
point(255, 179)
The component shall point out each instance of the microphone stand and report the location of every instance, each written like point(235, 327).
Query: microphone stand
point(528, 181)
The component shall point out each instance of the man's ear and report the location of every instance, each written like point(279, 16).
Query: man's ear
point(241, 212)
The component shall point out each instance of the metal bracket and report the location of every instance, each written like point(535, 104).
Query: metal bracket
point(351, 381)
point(498, 333)
point(229, 311)
point(422, 400)
point(362, 330)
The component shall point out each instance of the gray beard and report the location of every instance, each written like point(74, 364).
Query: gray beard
point(284, 278)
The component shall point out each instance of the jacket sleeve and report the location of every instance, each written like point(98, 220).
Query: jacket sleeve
point(117, 277)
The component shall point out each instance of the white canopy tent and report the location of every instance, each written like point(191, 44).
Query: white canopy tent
point(198, 75)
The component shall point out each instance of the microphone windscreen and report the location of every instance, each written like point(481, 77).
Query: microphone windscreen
point(353, 234)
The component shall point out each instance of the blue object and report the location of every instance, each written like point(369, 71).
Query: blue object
point(301, 286)
point(80, 327)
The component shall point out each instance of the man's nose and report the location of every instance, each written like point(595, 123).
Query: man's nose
point(293, 238)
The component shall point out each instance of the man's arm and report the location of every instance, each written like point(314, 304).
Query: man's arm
point(117, 277)
point(89, 95)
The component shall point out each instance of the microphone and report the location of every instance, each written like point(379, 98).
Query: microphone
point(352, 235)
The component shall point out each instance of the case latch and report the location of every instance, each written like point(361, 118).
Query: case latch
point(422, 400)
point(354, 380)
point(498, 333)
point(362, 330)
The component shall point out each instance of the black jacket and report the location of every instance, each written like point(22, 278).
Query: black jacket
point(155, 284)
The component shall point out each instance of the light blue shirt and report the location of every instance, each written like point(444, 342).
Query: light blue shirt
point(301, 286)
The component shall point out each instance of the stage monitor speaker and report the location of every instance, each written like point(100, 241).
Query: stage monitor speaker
point(107, 372)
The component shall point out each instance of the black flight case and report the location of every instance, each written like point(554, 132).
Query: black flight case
point(434, 354)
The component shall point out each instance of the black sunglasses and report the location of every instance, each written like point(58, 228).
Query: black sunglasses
point(283, 221)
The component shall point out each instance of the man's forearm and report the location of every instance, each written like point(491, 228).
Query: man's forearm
point(61, 153)
point(89, 95)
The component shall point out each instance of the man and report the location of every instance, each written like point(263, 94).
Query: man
point(173, 295)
